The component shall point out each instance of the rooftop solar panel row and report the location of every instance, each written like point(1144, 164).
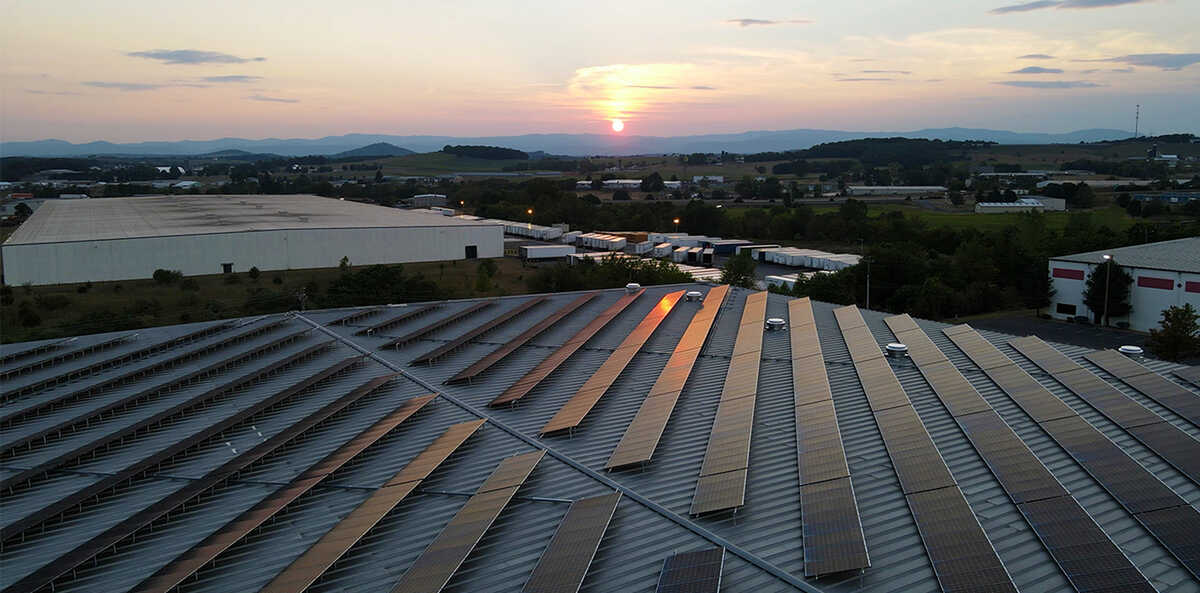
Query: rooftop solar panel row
point(16, 353)
point(129, 526)
point(565, 562)
point(309, 567)
point(1136, 489)
point(1191, 375)
point(524, 337)
point(698, 571)
point(417, 334)
point(548, 365)
point(644, 431)
point(1150, 384)
point(437, 353)
point(574, 410)
point(407, 314)
point(353, 316)
point(186, 564)
point(60, 358)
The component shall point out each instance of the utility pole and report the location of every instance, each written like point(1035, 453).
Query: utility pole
point(863, 250)
point(1137, 116)
point(1107, 274)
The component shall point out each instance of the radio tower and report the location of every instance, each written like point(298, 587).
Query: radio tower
point(1137, 115)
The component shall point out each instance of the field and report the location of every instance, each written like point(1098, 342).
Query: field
point(438, 163)
point(1052, 156)
point(1114, 217)
point(112, 306)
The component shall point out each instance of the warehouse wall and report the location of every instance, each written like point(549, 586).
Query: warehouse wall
point(128, 259)
point(1152, 292)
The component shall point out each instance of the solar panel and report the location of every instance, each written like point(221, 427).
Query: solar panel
point(408, 315)
point(353, 316)
point(70, 500)
point(831, 528)
point(42, 406)
point(1139, 491)
point(963, 559)
point(306, 569)
point(1150, 384)
point(438, 563)
point(437, 353)
point(698, 571)
point(729, 440)
point(22, 438)
point(186, 564)
point(497, 355)
point(565, 562)
point(1190, 374)
point(640, 440)
point(1167, 441)
point(436, 325)
point(65, 356)
point(127, 527)
point(531, 379)
point(573, 412)
point(15, 354)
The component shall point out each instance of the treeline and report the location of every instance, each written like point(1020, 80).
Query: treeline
point(1138, 168)
point(492, 153)
point(609, 273)
point(877, 152)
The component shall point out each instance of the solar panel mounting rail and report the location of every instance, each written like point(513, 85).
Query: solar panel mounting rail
point(485, 363)
point(1167, 393)
point(441, 351)
point(1163, 438)
point(641, 437)
point(309, 566)
point(525, 384)
point(417, 334)
point(127, 527)
point(722, 482)
point(565, 562)
point(1151, 502)
point(831, 527)
point(960, 552)
point(572, 413)
point(1091, 562)
point(187, 563)
point(403, 317)
point(72, 500)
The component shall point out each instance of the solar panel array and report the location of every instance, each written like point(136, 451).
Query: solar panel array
point(11, 355)
point(830, 523)
point(692, 572)
point(1158, 435)
point(526, 383)
point(485, 363)
point(565, 562)
point(417, 334)
point(1191, 375)
point(306, 569)
point(575, 409)
point(1165, 392)
point(441, 351)
point(433, 569)
point(1088, 558)
point(644, 431)
point(959, 550)
point(722, 483)
point(403, 317)
point(8, 374)
point(1143, 495)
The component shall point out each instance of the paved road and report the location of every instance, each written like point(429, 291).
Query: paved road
point(1088, 336)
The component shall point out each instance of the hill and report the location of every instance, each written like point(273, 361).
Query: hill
point(378, 149)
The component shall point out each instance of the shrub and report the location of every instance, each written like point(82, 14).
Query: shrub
point(277, 279)
point(82, 288)
point(27, 316)
point(232, 279)
point(189, 284)
point(254, 273)
point(6, 295)
point(162, 276)
point(118, 288)
point(52, 302)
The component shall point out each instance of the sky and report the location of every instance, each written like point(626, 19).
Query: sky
point(130, 70)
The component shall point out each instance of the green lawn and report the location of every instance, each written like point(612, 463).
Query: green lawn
point(439, 163)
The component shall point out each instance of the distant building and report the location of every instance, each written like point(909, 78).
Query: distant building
point(1170, 197)
point(626, 184)
point(895, 190)
point(1021, 205)
point(1164, 274)
point(426, 200)
point(708, 178)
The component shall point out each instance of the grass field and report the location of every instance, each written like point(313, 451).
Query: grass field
point(64, 311)
point(1114, 217)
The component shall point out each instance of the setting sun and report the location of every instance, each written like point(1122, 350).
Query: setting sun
point(618, 125)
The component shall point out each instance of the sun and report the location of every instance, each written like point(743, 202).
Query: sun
point(618, 125)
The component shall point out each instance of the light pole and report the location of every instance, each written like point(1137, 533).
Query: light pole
point(863, 250)
point(676, 221)
point(530, 213)
point(1107, 275)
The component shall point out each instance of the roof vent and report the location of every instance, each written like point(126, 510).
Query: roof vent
point(774, 323)
point(1131, 351)
point(897, 350)
point(633, 287)
point(693, 295)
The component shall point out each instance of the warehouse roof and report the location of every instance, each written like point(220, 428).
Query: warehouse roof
point(162, 216)
point(267, 452)
point(1179, 255)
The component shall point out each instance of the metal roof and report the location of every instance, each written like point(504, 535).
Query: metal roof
point(164, 216)
point(765, 548)
point(1179, 255)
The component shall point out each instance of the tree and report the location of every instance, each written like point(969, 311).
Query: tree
point(378, 176)
point(1084, 197)
point(653, 182)
point(23, 210)
point(739, 271)
point(956, 198)
point(1178, 336)
point(621, 195)
point(162, 276)
point(254, 273)
point(1111, 279)
point(745, 188)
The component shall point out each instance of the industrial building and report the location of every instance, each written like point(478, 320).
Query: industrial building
point(674, 438)
point(1165, 274)
point(69, 241)
point(1028, 204)
point(895, 190)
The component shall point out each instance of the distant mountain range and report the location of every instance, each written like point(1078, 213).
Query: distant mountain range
point(375, 150)
point(562, 144)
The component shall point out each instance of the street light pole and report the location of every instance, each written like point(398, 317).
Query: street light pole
point(1107, 275)
point(863, 250)
point(676, 221)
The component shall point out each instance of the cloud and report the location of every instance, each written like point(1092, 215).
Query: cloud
point(863, 79)
point(886, 71)
point(1035, 57)
point(657, 87)
point(272, 99)
point(1063, 4)
point(236, 78)
point(191, 56)
point(766, 22)
point(1037, 70)
point(125, 86)
point(1050, 84)
point(60, 93)
point(1164, 61)
point(701, 87)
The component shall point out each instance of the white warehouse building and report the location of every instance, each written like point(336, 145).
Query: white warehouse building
point(68, 241)
point(1165, 274)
